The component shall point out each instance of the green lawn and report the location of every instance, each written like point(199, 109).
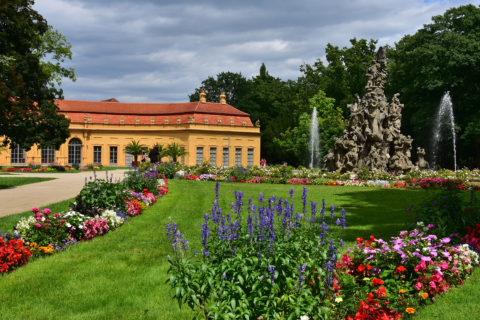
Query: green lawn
point(122, 274)
point(6, 183)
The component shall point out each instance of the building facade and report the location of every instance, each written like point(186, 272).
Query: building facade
point(99, 131)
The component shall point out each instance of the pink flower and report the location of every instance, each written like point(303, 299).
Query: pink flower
point(421, 266)
point(47, 211)
point(418, 285)
point(38, 225)
point(445, 240)
point(430, 226)
point(443, 265)
point(34, 210)
point(432, 284)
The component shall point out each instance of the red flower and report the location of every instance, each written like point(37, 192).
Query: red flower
point(361, 268)
point(359, 240)
point(400, 269)
point(377, 281)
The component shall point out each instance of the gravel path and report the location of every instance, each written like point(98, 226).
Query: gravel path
point(40, 194)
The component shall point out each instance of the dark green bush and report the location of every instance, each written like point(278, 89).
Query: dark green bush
point(450, 211)
point(99, 194)
point(168, 169)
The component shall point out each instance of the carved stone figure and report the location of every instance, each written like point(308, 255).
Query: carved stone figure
point(373, 136)
point(421, 162)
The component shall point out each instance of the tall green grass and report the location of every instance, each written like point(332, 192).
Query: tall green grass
point(123, 274)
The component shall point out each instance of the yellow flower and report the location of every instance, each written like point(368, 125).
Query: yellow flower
point(402, 291)
point(338, 299)
point(424, 295)
point(410, 310)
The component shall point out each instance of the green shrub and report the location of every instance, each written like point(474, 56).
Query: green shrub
point(449, 212)
point(99, 194)
point(168, 169)
point(139, 180)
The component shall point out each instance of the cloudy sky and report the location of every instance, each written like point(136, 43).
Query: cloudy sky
point(160, 51)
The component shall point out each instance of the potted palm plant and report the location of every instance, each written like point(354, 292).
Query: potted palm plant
point(135, 149)
point(174, 150)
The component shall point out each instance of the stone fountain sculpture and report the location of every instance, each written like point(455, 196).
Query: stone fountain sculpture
point(373, 138)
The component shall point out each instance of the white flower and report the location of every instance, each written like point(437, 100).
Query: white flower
point(304, 318)
point(338, 299)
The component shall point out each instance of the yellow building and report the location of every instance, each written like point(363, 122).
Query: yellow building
point(99, 131)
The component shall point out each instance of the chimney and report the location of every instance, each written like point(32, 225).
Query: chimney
point(223, 98)
point(203, 97)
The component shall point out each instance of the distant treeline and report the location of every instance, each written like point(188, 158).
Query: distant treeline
point(442, 56)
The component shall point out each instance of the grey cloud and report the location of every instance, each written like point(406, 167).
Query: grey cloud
point(157, 51)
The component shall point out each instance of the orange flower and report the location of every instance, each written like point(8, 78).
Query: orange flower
point(424, 295)
point(410, 310)
point(402, 291)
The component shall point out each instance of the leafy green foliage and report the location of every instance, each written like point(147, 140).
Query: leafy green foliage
point(442, 56)
point(135, 148)
point(174, 151)
point(167, 168)
point(449, 212)
point(99, 194)
point(330, 124)
point(27, 91)
point(277, 265)
point(140, 180)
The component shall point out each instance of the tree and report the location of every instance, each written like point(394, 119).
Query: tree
point(162, 151)
point(343, 76)
point(175, 151)
point(233, 84)
point(330, 124)
point(27, 91)
point(135, 148)
point(442, 56)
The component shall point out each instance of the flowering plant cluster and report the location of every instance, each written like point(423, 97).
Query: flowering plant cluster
point(472, 237)
point(282, 174)
point(298, 181)
point(49, 168)
point(273, 261)
point(46, 229)
point(13, 254)
point(391, 279)
point(451, 214)
point(46, 232)
point(95, 227)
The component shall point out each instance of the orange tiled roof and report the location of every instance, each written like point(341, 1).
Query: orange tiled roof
point(153, 113)
point(108, 107)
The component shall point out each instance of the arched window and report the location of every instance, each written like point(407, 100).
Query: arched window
point(75, 151)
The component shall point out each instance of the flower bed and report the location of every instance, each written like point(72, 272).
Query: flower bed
point(281, 262)
point(388, 280)
point(463, 179)
point(45, 232)
point(275, 264)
